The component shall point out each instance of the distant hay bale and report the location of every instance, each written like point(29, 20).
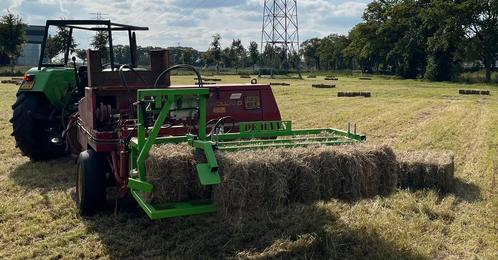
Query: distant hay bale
point(323, 85)
point(245, 76)
point(354, 94)
point(10, 81)
point(279, 84)
point(365, 78)
point(473, 92)
point(209, 79)
point(426, 169)
point(272, 178)
point(331, 78)
point(311, 76)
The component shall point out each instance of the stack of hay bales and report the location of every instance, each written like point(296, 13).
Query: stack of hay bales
point(426, 169)
point(272, 178)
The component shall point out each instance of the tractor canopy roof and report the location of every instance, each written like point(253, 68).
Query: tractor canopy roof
point(90, 25)
point(95, 25)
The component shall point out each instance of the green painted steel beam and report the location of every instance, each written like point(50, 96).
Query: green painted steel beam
point(143, 93)
point(137, 184)
point(177, 209)
point(288, 140)
point(289, 145)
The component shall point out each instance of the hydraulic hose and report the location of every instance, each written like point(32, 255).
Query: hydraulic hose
point(179, 66)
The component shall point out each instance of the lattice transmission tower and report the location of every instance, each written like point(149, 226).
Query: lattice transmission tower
point(280, 28)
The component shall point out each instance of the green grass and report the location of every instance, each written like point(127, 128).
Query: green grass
point(38, 218)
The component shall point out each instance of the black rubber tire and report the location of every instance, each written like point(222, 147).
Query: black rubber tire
point(30, 132)
point(91, 182)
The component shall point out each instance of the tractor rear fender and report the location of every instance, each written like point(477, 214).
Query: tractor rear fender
point(55, 83)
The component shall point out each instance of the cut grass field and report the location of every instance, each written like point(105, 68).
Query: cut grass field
point(38, 217)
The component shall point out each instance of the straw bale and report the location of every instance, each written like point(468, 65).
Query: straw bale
point(274, 177)
point(426, 169)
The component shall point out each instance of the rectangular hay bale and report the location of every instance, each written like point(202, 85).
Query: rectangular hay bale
point(272, 178)
point(323, 85)
point(426, 169)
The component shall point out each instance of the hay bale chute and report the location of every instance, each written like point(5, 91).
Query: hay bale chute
point(474, 92)
point(426, 169)
point(323, 85)
point(272, 178)
point(354, 94)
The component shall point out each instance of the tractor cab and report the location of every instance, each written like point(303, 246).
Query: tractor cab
point(49, 92)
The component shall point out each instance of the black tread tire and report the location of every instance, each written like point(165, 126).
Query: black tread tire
point(90, 182)
point(29, 132)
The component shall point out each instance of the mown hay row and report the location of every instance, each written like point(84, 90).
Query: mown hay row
point(426, 169)
point(272, 178)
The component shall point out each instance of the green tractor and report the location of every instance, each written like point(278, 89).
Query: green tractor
point(49, 93)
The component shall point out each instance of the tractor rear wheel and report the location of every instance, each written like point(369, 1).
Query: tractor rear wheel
point(37, 136)
point(91, 182)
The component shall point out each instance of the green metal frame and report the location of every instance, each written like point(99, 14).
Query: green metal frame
point(251, 135)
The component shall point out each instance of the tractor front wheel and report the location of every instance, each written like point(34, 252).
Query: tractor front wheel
point(91, 182)
point(37, 135)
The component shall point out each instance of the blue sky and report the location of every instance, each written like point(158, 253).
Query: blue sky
point(192, 22)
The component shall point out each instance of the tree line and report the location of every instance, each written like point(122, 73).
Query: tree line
point(432, 39)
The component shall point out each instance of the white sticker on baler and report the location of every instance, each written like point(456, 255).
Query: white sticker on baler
point(235, 95)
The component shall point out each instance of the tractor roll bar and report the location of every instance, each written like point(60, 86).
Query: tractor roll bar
point(90, 25)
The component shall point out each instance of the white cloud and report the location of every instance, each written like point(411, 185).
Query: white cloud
point(192, 22)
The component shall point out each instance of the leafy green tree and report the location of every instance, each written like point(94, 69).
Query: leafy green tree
point(215, 50)
point(446, 42)
point(99, 42)
point(227, 57)
point(481, 30)
point(187, 56)
point(331, 51)
point(57, 44)
point(52, 48)
point(12, 36)
point(309, 49)
point(238, 54)
point(253, 54)
point(207, 58)
point(81, 54)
